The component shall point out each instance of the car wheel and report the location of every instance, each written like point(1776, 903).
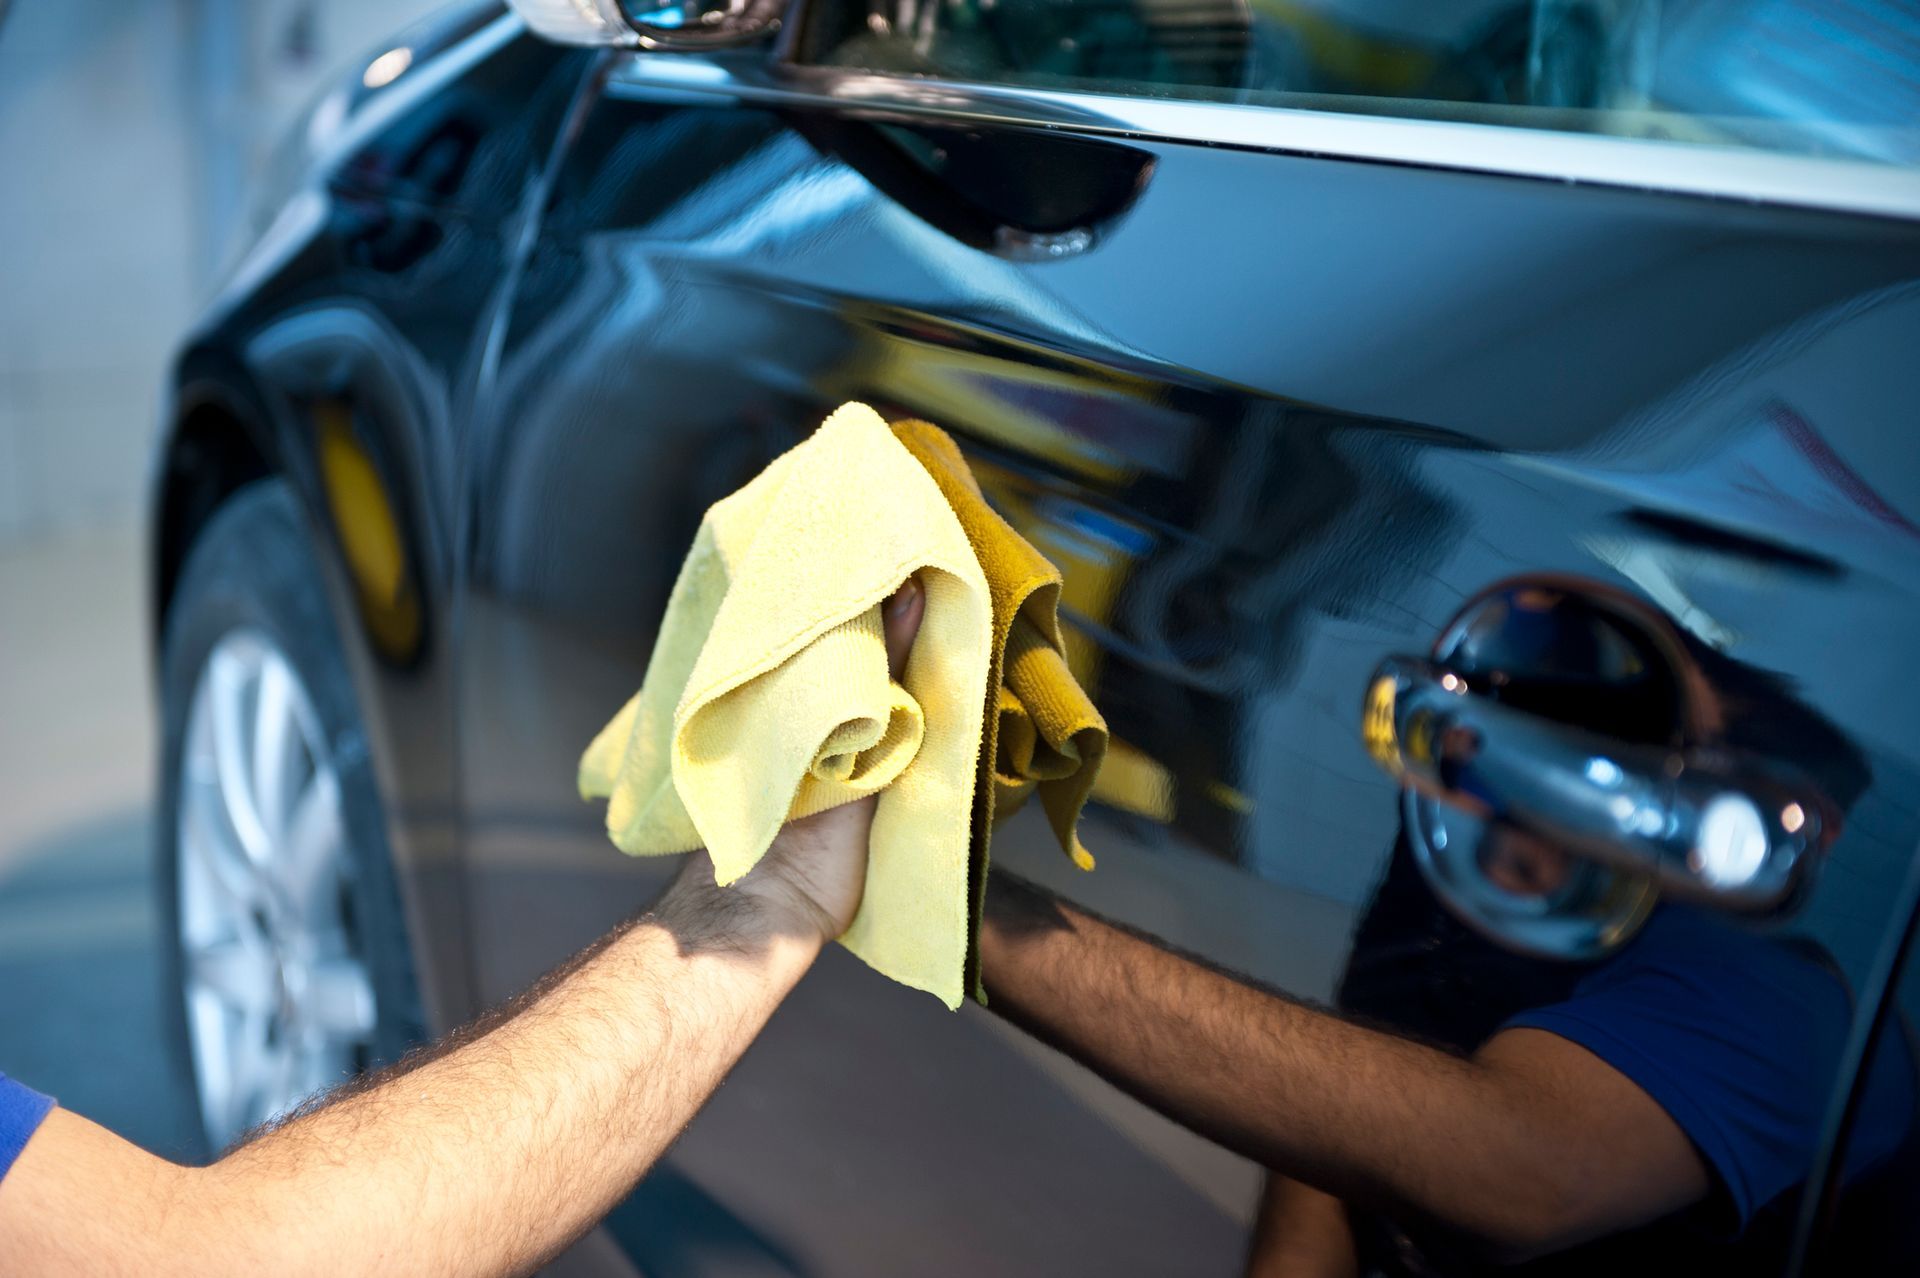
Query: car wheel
point(283, 939)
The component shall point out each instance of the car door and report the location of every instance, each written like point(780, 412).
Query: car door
point(1287, 330)
point(869, 1124)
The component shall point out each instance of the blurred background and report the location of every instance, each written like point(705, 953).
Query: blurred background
point(129, 135)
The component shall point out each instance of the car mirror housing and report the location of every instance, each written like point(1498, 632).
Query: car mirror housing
point(661, 25)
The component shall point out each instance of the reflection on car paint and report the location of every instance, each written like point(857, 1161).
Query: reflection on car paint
point(1280, 418)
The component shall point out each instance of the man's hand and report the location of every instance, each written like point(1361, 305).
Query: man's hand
point(813, 875)
point(496, 1147)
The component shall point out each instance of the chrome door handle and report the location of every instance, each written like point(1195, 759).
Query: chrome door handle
point(1702, 820)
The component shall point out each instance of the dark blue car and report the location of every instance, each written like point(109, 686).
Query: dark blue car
point(1479, 441)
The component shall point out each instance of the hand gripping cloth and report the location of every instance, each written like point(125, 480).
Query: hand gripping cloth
point(767, 696)
point(1041, 730)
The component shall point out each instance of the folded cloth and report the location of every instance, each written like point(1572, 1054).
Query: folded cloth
point(1041, 730)
point(767, 695)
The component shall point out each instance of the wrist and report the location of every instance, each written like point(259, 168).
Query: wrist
point(759, 915)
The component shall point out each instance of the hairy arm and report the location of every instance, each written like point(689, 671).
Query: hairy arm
point(494, 1149)
point(1530, 1145)
point(486, 1157)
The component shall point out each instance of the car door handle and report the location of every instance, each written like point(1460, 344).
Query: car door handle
point(1704, 820)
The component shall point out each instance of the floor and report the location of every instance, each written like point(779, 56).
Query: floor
point(80, 994)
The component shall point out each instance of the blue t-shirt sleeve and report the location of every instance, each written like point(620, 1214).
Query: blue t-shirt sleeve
point(21, 1110)
point(1738, 1038)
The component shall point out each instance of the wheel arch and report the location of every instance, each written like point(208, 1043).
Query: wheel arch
point(215, 441)
point(227, 426)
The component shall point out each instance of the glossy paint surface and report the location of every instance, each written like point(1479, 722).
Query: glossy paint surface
point(1276, 417)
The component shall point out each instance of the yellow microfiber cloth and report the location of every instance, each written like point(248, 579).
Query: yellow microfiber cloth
point(767, 695)
point(1041, 730)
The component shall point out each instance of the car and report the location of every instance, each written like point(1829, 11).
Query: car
point(1504, 496)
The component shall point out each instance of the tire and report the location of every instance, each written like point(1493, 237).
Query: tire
point(283, 945)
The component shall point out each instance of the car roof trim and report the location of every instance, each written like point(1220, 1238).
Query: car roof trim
point(1693, 169)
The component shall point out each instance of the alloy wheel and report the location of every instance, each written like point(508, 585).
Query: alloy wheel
point(279, 996)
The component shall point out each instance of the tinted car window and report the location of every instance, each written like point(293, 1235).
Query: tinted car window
point(1828, 77)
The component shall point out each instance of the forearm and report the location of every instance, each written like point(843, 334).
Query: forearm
point(485, 1155)
point(1368, 1116)
point(491, 1157)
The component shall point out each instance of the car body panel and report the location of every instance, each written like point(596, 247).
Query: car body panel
point(1276, 416)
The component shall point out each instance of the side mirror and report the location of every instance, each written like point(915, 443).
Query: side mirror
point(664, 25)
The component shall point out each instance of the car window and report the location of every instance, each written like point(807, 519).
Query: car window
point(1823, 77)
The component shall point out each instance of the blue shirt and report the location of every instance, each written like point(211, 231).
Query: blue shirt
point(21, 1109)
point(1738, 1038)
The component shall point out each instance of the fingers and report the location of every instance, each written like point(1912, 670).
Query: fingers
point(901, 617)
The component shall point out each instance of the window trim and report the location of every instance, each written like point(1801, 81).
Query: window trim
point(1687, 169)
